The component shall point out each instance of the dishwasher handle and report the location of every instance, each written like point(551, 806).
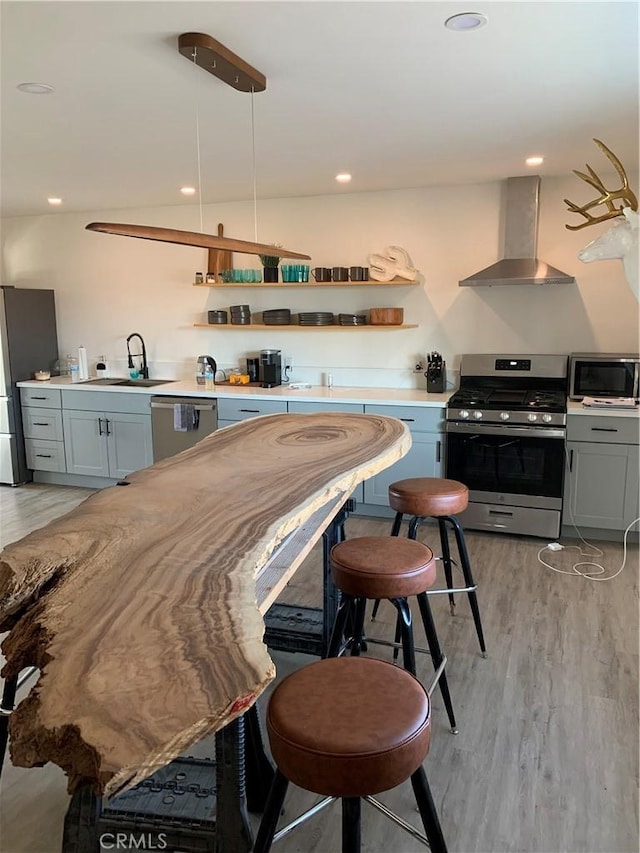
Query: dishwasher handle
point(198, 407)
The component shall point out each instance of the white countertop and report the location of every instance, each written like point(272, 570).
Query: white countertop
point(574, 408)
point(315, 394)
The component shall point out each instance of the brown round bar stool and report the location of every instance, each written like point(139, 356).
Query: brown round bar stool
point(436, 497)
point(349, 728)
point(375, 567)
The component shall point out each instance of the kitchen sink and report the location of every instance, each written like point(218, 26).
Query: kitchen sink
point(129, 383)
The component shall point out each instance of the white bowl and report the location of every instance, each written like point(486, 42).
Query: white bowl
point(42, 375)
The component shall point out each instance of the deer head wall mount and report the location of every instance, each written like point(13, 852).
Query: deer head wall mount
point(620, 241)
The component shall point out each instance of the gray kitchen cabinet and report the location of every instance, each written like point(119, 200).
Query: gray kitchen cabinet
point(231, 411)
point(106, 434)
point(42, 426)
point(303, 407)
point(424, 459)
point(601, 486)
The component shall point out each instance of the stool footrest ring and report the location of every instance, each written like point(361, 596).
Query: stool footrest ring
point(452, 590)
point(314, 810)
point(397, 820)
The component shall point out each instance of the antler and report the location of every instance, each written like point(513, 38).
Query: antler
point(607, 197)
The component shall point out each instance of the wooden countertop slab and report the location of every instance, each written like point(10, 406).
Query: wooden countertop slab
point(139, 606)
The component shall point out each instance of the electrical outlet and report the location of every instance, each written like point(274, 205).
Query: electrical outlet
point(418, 367)
point(287, 362)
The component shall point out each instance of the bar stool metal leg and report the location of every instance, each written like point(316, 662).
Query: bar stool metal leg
point(437, 657)
point(271, 813)
point(446, 561)
point(351, 828)
point(468, 578)
point(428, 812)
point(339, 626)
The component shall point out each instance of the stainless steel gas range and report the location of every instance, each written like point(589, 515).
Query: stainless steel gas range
point(506, 428)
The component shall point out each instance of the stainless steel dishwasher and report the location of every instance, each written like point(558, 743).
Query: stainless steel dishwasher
point(180, 422)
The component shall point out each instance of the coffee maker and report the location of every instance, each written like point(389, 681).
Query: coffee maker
point(270, 368)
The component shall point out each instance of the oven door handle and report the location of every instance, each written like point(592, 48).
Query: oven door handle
point(499, 430)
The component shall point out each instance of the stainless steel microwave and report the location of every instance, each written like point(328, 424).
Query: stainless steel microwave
point(603, 375)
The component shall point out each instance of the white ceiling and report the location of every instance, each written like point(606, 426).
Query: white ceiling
point(378, 89)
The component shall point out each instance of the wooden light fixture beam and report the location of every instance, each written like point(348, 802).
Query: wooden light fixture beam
point(192, 238)
point(201, 49)
point(205, 51)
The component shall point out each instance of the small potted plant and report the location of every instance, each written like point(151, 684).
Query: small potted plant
point(270, 264)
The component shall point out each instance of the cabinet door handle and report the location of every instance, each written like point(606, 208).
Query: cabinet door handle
point(603, 429)
point(108, 432)
point(438, 451)
point(500, 512)
point(253, 411)
point(100, 427)
point(408, 420)
point(39, 398)
point(39, 423)
point(571, 460)
point(44, 455)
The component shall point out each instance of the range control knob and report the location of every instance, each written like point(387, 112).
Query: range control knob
point(547, 418)
point(477, 415)
point(463, 413)
point(504, 416)
point(532, 417)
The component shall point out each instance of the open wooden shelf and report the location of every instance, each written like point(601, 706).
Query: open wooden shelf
point(312, 284)
point(295, 327)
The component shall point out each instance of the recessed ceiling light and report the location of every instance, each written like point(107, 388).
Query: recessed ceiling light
point(534, 161)
point(35, 88)
point(54, 201)
point(466, 21)
point(343, 178)
point(188, 190)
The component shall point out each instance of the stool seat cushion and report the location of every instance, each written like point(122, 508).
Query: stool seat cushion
point(382, 567)
point(349, 726)
point(428, 496)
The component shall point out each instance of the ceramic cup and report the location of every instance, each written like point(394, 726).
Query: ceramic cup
point(358, 273)
point(321, 273)
point(340, 274)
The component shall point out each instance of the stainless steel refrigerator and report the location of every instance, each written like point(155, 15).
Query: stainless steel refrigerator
point(28, 342)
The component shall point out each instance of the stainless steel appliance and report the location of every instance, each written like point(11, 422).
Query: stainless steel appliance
point(506, 429)
point(603, 374)
point(270, 368)
point(28, 342)
point(178, 423)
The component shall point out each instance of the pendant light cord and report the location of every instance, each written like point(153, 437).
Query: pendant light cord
point(253, 156)
point(198, 151)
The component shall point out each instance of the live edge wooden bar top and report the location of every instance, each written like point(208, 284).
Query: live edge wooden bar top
point(139, 606)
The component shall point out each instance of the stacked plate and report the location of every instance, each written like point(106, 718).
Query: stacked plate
point(217, 317)
point(277, 317)
point(240, 315)
point(352, 319)
point(316, 318)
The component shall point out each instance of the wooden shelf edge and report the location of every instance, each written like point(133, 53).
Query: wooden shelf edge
point(311, 284)
point(296, 327)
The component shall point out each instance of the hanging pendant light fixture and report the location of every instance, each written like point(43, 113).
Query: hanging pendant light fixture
point(214, 57)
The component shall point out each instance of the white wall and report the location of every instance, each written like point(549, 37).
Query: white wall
point(107, 287)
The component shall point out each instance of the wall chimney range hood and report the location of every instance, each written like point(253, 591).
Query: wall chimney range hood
point(520, 264)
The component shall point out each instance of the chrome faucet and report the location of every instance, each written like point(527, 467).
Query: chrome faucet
point(144, 370)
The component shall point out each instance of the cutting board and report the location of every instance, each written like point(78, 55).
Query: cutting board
point(219, 259)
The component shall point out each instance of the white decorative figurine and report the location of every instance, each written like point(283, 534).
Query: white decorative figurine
point(394, 263)
point(620, 241)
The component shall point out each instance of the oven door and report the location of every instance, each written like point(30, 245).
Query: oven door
point(518, 465)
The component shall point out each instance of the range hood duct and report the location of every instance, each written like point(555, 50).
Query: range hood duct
point(520, 264)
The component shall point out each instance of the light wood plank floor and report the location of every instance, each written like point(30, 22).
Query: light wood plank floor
point(547, 755)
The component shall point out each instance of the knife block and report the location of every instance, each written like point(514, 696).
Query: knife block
point(436, 378)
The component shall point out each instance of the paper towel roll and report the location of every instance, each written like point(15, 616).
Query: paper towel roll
point(83, 364)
